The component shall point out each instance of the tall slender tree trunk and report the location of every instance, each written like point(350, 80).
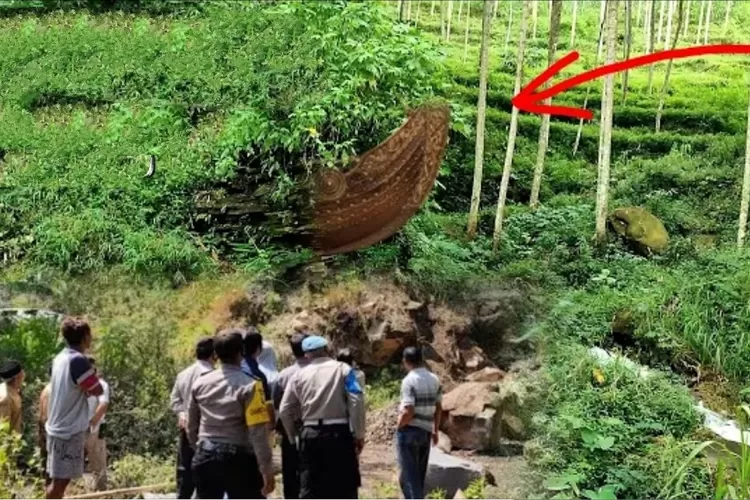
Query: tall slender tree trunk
point(701, 17)
point(401, 9)
point(639, 16)
point(419, 9)
point(579, 132)
point(686, 24)
point(665, 86)
point(651, 41)
point(573, 24)
point(442, 20)
point(510, 26)
point(554, 31)
point(466, 30)
point(745, 200)
point(408, 9)
point(460, 10)
point(448, 24)
point(507, 165)
point(600, 46)
point(432, 8)
point(484, 58)
point(727, 14)
point(605, 144)
point(535, 17)
point(670, 16)
point(662, 8)
point(494, 9)
point(628, 43)
point(647, 23)
point(707, 23)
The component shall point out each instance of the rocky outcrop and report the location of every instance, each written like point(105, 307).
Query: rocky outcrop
point(643, 231)
point(12, 315)
point(450, 474)
point(470, 416)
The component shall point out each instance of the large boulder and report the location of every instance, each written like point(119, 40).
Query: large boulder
point(449, 473)
point(640, 229)
point(470, 416)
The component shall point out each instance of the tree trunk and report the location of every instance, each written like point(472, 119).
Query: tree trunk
point(448, 25)
point(510, 25)
point(686, 24)
point(707, 23)
point(640, 12)
point(665, 86)
point(416, 17)
point(605, 144)
point(432, 8)
point(651, 41)
point(662, 8)
point(408, 9)
point(554, 31)
point(628, 43)
point(466, 33)
point(460, 10)
point(701, 16)
point(647, 24)
point(494, 9)
point(442, 20)
point(476, 191)
point(670, 16)
point(600, 46)
point(535, 17)
point(579, 132)
point(573, 24)
point(511, 132)
point(401, 7)
point(745, 200)
point(726, 16)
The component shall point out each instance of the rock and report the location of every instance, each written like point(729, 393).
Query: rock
point(450, 473)
point(444, 442)
point(13, 315)
point(459, 494)
point(644, 231)
point(488, 374)
point(470, 418)
point(469, 398)
point(605, 358)
point(513, 427)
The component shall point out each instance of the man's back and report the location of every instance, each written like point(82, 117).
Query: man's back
point(10, 407)
point(320, 388)
point(68, 411)
point(184, 383)
point(421, 389)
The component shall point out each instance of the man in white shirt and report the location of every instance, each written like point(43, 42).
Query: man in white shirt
point(96, 444)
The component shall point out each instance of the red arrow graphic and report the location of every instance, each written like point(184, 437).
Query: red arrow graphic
point(530, 101)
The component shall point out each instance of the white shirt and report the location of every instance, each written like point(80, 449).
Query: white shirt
point(95, 401)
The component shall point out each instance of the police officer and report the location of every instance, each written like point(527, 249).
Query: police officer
point(326, 397)
point(228, 427)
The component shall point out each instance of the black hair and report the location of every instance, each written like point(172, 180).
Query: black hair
point(92, 360)
point(413, 356)
point(345, 356)
point(228, 344)
point(204, 348)
point(74, 331)
point(295, 342)
point(253, 341)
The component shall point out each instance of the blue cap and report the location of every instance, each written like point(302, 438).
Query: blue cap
point(314, 343)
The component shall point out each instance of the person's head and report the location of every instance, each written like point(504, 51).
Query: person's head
point(253, 342)
point(295, 342)
point(77, 333)
point(228, 346)
point(204, 349)
point(412, 358)
point(315, 347)
point(345, 356)
point(11, 372)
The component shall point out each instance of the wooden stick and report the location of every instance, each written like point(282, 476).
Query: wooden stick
point(122, 491)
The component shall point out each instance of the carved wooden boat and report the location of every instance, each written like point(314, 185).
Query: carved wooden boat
point(384, 187)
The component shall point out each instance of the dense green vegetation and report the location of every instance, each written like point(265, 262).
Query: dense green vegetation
point(245, 98)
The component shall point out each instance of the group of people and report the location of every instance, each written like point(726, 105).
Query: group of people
point(72, 410)
point(230, 403)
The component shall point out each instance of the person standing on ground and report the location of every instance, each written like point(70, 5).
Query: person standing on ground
point(228, 427)
point(12, 375)
point(73, 381)
point(204, 363)
point(41, 433)
point(327, 398)
point(345, 356)
point(289, 453)
point(253, 347)
point(267, 363)
point(96, 444)
point(418, 422)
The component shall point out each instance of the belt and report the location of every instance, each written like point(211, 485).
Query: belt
point(231, 449)
point(325, 421)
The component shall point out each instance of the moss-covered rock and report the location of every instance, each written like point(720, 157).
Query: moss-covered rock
point(641, 229)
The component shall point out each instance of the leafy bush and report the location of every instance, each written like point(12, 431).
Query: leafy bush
point(132, 471)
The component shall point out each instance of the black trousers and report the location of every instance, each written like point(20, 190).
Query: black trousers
point(223, 469)
point(289, 467)
point(185, 484)
point(329, 466)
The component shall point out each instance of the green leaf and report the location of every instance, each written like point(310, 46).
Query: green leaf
point(605, 443)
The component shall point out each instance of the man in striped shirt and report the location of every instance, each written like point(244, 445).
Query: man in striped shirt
point(418, 422)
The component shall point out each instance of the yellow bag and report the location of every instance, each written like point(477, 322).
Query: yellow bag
point(257, 412)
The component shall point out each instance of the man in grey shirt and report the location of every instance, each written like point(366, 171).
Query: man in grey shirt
point(228, 427)
point(289, 454)
point(204, 363)
point(326, 397)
